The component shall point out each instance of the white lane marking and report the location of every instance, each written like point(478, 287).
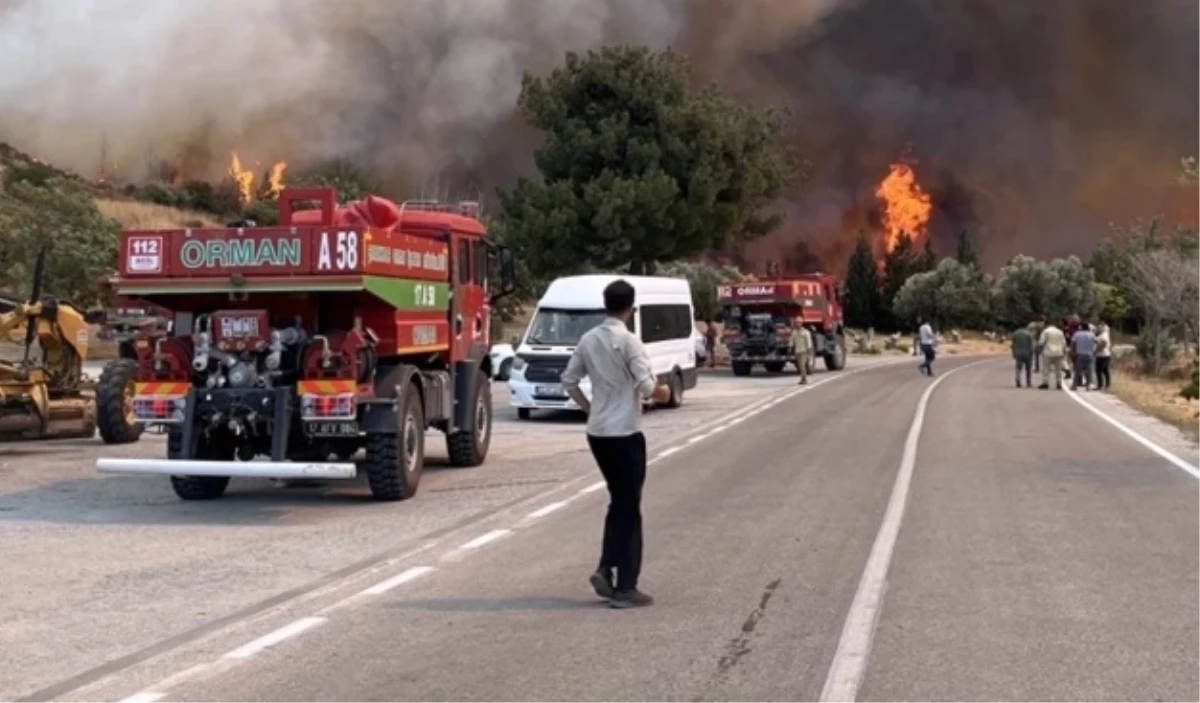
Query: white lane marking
point(403, 577)
point(592, 488)
point(1137, 437)
point(144, 697)
point(668, 452)
point(292, 629)
point(850, 661)
point(547, 509)
point(486, 538)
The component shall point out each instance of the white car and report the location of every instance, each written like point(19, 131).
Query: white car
point(502, 360)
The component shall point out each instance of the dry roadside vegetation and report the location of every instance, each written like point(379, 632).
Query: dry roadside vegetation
point(139, 215)
point(1158, 395)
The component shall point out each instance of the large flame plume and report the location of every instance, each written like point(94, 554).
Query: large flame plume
point(906, 206)
point(269, 185)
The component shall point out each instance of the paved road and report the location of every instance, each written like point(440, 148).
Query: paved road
point(1041, 555)
point(104, 572)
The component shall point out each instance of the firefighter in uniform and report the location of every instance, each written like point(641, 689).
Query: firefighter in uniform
point(803, 342)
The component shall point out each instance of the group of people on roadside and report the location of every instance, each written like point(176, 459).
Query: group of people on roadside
point(1079, 351)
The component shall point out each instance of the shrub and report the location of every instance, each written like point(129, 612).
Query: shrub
point(264, 212)
point(1191, 390)
point(1146, 348)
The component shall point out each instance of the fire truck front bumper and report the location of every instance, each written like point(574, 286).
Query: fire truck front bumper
point(246, 469)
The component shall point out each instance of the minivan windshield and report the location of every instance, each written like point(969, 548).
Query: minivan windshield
point(561, 327)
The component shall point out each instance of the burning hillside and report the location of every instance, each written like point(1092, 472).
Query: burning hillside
point(1036, 123)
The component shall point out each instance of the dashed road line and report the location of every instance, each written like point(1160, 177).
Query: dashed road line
point(269, 640)
point(403, 577)
point(547, 509)
point(145, 697)
point(592, 488)
point(486, 538)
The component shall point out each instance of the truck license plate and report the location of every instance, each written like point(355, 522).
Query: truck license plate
point(333, 429)
point(550, 391)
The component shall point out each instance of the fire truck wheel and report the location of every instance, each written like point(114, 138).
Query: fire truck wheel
point(835, 360)
point(741, 368)
point(524, 413)
point(774, 366)
point(395, 461)
point(114, 403)
point(197, 487)
point(470, 447)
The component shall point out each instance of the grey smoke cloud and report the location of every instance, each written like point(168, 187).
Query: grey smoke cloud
point(421, 82)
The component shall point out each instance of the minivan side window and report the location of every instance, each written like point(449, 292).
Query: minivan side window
point(663, 322)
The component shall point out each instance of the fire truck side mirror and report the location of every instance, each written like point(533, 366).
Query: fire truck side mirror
point(508, 272)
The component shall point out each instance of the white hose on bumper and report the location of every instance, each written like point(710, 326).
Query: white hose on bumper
point(248, 469)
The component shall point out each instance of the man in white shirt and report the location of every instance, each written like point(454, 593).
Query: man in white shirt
point(619, 368)
point(928, 342)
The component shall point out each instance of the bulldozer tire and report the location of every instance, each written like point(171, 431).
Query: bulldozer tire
point(741, 368)
point(114, 403)
point(395, 460)
point(470, 447)
point(195, 487)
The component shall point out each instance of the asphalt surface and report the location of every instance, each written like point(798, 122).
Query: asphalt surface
point(1042, 555)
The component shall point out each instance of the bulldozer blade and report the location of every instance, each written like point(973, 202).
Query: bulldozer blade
point(247, 469)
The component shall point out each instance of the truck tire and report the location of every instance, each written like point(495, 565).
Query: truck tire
point(197, 487)
point(675, 383)
point(395, 461)
point(470, 447)
point(524, 413)
point(114, 403)
point(505, 370)
point(835, 358)
point(741, 368)
point(775, 366)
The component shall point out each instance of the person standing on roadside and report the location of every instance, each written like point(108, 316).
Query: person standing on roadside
point(803, 341)
point(1035, 328)
point(1054, 348)
point(928, 343)
point(710, 343)
point(1103, 357)
point(1083, 344)
point(1022, 351)
point(619, 368)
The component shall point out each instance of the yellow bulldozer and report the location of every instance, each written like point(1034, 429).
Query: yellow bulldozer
point(44, 394)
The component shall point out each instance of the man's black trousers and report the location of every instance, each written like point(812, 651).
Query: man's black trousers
point(622, 460)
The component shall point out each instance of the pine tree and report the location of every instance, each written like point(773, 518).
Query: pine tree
point(898, 264)
point(862, 287)
point(928, 260)
point(966, 251)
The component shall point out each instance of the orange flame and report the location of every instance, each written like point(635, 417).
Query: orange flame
point(243, 178)
point(906, 206)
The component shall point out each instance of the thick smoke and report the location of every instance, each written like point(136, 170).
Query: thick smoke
point(1032, 123)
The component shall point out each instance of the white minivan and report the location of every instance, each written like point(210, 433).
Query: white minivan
point(573, 305)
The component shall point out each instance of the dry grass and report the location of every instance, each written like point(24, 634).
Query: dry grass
point(1157, 396)
point(136, 215)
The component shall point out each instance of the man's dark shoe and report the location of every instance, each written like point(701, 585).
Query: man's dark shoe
point(630, 599)
point(803, 382)
point(602, 583)
point(1044, 387)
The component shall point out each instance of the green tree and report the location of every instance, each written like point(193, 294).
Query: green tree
point(863, 305)
point(898, 265)
point(952, 295)
point(965, 252)
point(83, 243)
point(349, 179)
point(703, 279)
point(1027, 289)
point(637, 168)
